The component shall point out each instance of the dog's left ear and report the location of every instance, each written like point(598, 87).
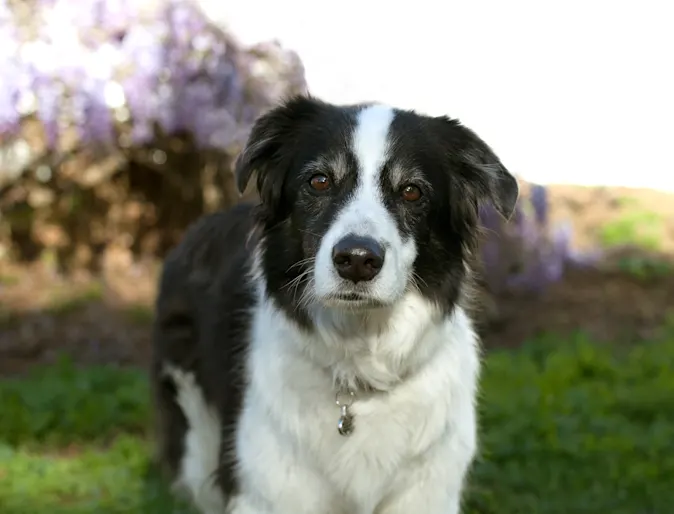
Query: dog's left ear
point(486, 173)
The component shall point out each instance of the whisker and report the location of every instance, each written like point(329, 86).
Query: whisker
point(298, 279)
point(307, 296)
point(416, 278)
point(311, 233)
point(302, 262)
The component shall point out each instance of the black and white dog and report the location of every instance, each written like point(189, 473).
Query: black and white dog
point(313, 354)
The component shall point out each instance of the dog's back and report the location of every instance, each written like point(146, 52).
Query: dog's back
point(202, 292)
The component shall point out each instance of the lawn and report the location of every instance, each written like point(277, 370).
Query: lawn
point(567, 427)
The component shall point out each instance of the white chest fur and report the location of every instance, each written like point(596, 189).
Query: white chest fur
point(413, 439)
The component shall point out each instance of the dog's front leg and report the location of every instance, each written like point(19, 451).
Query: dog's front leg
point(289, 492)
point(275, 476)
point(434, 485)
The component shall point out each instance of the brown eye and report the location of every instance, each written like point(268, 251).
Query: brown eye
point(411, 193)
point(320, 183)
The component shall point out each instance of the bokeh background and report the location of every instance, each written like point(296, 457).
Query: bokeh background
point(119, 124)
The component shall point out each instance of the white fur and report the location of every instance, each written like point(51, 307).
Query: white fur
point(202, 444)
point(414, 438)
point(366, 215)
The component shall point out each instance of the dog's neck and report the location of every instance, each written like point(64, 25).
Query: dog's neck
point(374, 350)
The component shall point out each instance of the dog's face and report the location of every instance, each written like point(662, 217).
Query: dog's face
point(361, 204)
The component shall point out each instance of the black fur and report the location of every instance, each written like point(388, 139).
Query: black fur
point(202, 318)
point(205, 300)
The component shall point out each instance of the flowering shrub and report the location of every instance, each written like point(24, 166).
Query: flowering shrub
point(114, 112)
point(529, 252)
point(89, 63)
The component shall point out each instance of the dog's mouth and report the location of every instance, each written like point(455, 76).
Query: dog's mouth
point(353, 300)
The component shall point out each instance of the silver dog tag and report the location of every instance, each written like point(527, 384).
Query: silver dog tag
point(344, 400)
point(345, 423)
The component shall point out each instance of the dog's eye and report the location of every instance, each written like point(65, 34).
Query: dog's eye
point(410, 193)
point(319, 182)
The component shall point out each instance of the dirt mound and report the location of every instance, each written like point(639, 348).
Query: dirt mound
point(608, 306)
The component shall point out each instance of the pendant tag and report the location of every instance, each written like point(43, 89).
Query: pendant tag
point(344, 400)
point(345, 423)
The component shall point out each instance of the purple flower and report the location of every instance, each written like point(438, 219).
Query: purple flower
point(49, 95)
point(175, 71)
point(527, 254)
point(539, 201)
point(97, 123)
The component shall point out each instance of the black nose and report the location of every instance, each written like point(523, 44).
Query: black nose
point(358, 258)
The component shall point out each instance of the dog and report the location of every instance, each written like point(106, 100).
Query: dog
point(314, 351)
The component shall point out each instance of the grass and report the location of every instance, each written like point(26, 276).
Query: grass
point(567, 427)
point(113, 480)
point(634, 227)
point(645, 267)
point(577, 428)
point(637, 228)
point(76, 441)
point(8, 280)
point(139, 314)
point(61, 302)
point(65, 302)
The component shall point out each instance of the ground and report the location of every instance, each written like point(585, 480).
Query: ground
point(576, 410)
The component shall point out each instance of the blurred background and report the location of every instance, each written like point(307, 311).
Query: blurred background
point(119, 124)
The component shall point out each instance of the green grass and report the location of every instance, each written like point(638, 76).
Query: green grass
point(577, 428)
point(8, 280)
point(76, 441)
point(646, 267)
point(139, 314)
point(635, 227)
point(567, 427)
point(114, 480)
point(66, 302)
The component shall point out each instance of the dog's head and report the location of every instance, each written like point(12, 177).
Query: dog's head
point(362, 204)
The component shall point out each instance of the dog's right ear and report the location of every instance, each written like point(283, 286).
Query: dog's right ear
point(271, 147)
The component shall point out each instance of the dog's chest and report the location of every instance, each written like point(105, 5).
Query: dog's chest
point(287, 435)
point(389, 432)
point(291, 406)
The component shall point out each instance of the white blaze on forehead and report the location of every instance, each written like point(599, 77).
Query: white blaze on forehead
point(365, 214)
point(371, 142)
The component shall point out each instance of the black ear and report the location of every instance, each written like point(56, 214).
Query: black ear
point(271, 146)
point(488, 175)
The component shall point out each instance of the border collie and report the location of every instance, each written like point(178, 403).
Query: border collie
point(313, 354)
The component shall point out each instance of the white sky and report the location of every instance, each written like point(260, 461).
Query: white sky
point(575, 91)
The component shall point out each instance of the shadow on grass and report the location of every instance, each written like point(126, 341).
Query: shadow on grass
point(64, 301)
point(80, 322)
